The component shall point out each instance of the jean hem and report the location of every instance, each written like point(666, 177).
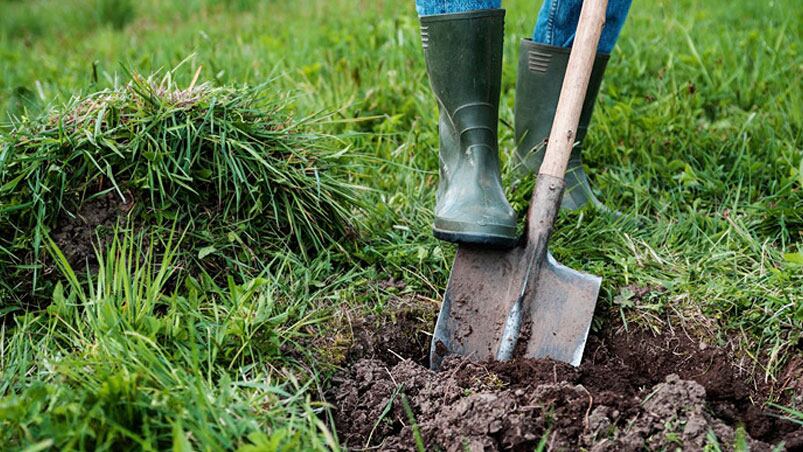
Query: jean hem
point(474, 14)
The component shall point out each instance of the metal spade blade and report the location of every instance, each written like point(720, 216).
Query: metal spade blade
point(521, 301)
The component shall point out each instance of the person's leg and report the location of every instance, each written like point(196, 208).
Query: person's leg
point(430, 7)
point(542, 66)
point(462, 43)
point(557, 23)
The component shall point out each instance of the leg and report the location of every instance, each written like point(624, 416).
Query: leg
point(463, 53)
point(542, 65)
point(557, 22)
point(430, 7)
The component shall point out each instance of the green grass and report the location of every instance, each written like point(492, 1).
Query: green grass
point(209, 369)
point(226, 164)
point(697, 133)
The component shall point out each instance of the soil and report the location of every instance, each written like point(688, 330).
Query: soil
point(402, 335)
point(634, 391)
point(78, 235)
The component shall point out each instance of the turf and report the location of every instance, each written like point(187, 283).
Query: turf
point(215, 162)
point(696, 138)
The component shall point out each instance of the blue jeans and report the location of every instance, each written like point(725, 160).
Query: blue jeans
point(557, 20)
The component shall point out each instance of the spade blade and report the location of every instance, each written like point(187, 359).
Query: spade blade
point(518, 302)
point(558, 314)
point(483, 286)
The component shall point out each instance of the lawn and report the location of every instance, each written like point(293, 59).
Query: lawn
point(211, 305)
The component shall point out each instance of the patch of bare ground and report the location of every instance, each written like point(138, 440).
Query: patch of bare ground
point(78, 234)
point(635, 390)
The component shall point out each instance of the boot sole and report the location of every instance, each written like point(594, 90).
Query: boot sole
point(485, 240)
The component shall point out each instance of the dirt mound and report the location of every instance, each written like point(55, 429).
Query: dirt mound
point(634, 391)
point(469, 405)
point(404, 334)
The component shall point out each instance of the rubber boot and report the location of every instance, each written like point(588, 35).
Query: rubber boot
point(540, 77)
point(463, 53)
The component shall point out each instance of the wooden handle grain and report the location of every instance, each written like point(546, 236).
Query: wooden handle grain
point(575, 85)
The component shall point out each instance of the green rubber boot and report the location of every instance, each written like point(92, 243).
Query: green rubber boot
point(540, 76)
point(463, 53)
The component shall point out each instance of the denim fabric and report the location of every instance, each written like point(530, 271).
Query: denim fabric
point(429, 7)
point(557, 22)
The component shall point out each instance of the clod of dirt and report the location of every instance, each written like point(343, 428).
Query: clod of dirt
point(675, 412)
point(630, 361)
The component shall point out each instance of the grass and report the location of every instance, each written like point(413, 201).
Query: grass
point(27, 20)
point(697, 133)
point(419, 440)
point(209, 369)
point(226, 163)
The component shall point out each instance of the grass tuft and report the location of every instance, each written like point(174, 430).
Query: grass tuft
point(229, 165)
point(120, 360)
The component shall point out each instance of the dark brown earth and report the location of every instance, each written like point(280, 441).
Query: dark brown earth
point(77, 235)
point(634, 391)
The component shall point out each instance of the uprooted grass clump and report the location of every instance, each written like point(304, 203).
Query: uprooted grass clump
point(228, 166)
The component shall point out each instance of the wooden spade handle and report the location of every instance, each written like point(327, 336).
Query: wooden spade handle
point(573, 91)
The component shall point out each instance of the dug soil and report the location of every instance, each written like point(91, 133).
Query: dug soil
point(77, 235)
point(634, 391)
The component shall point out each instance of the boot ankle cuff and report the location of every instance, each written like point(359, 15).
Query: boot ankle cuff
point(468, 15)
point(529, 44)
